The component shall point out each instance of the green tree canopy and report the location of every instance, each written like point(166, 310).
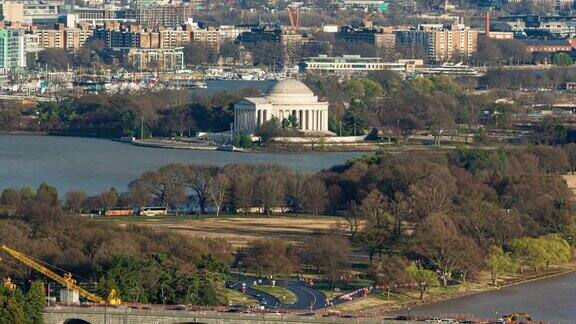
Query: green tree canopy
point(35, 302)
point(499, 262)
point(423, 278)
point(562, 59)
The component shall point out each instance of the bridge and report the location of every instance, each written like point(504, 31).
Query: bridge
point(108, 315)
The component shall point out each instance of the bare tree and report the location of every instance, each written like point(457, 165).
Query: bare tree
point(166, 184)
point(330, 255)
point(271, 258)
point(354, 219)
point(297, 192)
point(138, 196)
point(270, 191)
point(315, 195)
point(108, 199)
point(75, 200)
point(438, 239)
point(198, 178)
point(218, 191)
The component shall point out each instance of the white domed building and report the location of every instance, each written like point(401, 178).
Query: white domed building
point(285, 98)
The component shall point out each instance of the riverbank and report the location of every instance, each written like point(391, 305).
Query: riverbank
point(406, 302)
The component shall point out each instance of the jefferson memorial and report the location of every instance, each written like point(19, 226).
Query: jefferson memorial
point(285, 98)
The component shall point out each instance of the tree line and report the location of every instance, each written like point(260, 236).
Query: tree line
point(421, 218)
point(104, 256)
point(383, 101)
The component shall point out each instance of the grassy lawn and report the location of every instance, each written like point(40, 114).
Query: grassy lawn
point(235, 297)
point(285, 296)
point(238, 230)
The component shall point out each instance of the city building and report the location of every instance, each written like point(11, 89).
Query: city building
point(50, 38)
point(12, 11)
point(380, 37)
point(209, 37)
point(546, 45)
point(12, 50)
point(354, 63)
point(41, 13)
point(149, 39)
point(443, 42)
point(164, 15)
point(261, 33)
point(456, 40)
point(137, 4)
point(489, 33)
point(376, 5)
point(163, 59)
point(77, 37)
point(170, 38)
point(123, 38)
point(288, 97)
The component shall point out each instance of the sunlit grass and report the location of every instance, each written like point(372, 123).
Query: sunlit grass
point(285, 296)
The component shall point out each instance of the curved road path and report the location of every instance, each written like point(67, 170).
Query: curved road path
point(306, 297)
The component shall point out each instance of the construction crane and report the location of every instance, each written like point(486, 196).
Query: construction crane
point(294, 16)
point(65, 280)
point(9, 284)
point(516, 317)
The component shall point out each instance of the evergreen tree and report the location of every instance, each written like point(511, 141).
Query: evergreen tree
point(11, 306)
point(35, 302)
point(207, 292)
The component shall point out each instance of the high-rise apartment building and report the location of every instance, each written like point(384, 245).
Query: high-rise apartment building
point(441, 42)
point(12, 50)
point(77, 37)
point(50, 38)
point(170, 38)
point(457, 40)
point(163, 16)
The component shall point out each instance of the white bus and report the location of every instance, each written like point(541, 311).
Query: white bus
point(153, 211)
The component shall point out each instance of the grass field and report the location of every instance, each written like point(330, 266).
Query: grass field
point(235, 297)
point(238, 230)
point(285, 296)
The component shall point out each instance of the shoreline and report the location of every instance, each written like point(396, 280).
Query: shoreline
point(491, 288)
point(177, 145)
point(401, 308)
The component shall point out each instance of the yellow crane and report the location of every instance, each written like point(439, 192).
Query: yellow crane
point(65, 280)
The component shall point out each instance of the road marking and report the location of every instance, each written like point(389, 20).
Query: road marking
point(313, 295)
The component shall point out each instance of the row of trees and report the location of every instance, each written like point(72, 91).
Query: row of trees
point(142, 264)
point(236, 188)
point(160, 114)
point(537, 253)
point(327, 254)
point(19, 308)
point(452, 214)
point(401, 107)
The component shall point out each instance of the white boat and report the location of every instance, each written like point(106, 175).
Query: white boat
point(200, 85)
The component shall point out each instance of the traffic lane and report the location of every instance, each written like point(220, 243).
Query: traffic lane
point(264, 299)
point(307, 297)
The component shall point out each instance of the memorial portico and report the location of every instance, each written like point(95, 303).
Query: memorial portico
point(288, 97)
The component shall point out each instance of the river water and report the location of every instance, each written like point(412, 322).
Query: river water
point(94, 165)
point(551, 299)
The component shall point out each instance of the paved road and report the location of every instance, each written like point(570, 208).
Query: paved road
point(306, 297)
